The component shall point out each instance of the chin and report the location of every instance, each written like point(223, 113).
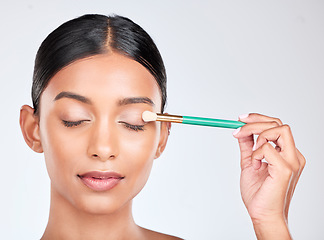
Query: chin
point(100, 205)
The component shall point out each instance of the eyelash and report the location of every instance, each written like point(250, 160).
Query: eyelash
point(72, 124)
point(127, 125)
point(133, 127)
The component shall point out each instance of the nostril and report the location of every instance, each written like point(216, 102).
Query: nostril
point(103, 157)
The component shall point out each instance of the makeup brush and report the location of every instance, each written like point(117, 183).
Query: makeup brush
point(211, 122)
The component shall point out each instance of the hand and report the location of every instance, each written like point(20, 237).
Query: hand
point(267, 187)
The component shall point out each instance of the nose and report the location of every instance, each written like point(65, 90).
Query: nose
point(103, 143)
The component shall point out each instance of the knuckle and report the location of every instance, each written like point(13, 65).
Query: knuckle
point(267, 146)
point(302, 162)
point(275, 124)
point(278, 121)
point(254, 154)
point(286, 128)
point(261, 138)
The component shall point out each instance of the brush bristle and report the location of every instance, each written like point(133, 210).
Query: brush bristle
point(148, 116)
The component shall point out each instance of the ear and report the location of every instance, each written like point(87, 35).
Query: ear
point(165, 131)
point(29, 124)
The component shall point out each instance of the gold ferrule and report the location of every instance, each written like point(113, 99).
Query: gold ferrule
point(169, 118)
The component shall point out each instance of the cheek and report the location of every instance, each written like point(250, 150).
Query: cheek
point(141, 149)
point(61, 151)
point(138, 154)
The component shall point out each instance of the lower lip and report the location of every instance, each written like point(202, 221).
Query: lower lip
point(100, 185)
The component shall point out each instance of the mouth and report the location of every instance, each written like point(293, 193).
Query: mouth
point(100, 180)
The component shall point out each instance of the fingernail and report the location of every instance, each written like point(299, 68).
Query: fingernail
point(236, 131)
point(242, 116)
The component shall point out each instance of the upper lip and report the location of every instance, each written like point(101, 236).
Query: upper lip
point(101, 174)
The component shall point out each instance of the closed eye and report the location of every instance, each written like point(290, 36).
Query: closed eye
point(73, 123)
point(133, 127)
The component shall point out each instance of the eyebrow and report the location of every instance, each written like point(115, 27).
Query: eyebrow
point(123, 102)
point(73, 96)
point(134, 100)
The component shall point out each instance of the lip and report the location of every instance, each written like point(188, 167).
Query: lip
point(100, 180)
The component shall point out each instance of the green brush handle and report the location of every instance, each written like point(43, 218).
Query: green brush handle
point(212, 122)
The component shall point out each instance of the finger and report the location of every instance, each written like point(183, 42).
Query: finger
point(246, 140)
point(277, 166)
point(302, 161)
point(246, 145)
point(279, 170)
point(254, 129)
point(255, 117)
point(284, 140)
point(281, 136)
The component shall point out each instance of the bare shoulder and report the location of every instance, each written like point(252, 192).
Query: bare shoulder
point(149, 234)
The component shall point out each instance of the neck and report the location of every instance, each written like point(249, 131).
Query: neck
point(67, 222)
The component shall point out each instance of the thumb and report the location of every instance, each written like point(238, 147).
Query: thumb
point(246, 145)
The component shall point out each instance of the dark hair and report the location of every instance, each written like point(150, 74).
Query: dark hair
point(90, 35)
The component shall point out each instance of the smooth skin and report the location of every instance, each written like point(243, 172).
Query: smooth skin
point(101, 138)
point(107, 134)
point(267, 187)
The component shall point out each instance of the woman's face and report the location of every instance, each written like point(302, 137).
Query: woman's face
point(90, 120)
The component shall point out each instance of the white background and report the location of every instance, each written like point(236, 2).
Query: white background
point(223, 58)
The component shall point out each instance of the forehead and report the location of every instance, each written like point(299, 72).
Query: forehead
point(104, 78)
